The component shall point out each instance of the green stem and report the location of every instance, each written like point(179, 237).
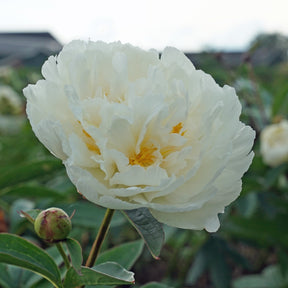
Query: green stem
point(63, 254)
point(100, 238)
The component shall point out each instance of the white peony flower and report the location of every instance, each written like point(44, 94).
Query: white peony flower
point(274, 143)
point(137, 131)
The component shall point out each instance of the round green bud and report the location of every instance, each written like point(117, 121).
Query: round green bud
point(52, 225)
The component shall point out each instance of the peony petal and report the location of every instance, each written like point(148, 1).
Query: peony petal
point(49, 69)
point(137, 175)
point(51, 134)
point(203, 218)
point(95, 191)
point(120, 136)
point(79, 154)
point(172, 56)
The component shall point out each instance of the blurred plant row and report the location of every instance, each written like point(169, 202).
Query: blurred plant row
point(249, 250)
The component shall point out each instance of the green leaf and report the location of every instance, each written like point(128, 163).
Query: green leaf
point(212, 257)
point(125, 254)
point(219, 270)
point(16, 207)
point(75, 253)
point(197, 269)
point(271, 277)
point(148, 228)
point(25, 279)
point(19, 252)
point(247, 204)
point(41, 284)
point(29, 171)
point(272, 175)
point(108, 273)
point(280, 101)
point(250, 281)
point(6, 280)
point(283, 261)
point(32, 191)
point(35, 281)
point(259, 228)
point(19, 276)
point(155, 285)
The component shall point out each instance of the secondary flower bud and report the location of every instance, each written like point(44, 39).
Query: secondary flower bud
point(52, 225)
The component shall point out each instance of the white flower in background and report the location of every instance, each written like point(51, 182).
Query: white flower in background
point(274, 143)
point(10, 102)
point(11, 107)
point(137, 131)
point(5, 72)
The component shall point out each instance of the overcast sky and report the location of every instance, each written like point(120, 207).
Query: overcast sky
point(187, 25)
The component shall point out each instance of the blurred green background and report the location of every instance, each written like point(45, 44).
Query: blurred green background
point(251, 247)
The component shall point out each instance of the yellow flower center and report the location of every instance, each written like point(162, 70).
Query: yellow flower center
point(144, 158)
point(90, 142)
point(177, 129)
point(166, 151)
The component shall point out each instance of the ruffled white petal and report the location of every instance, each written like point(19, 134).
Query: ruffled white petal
point(137, 175)
point(203, 218)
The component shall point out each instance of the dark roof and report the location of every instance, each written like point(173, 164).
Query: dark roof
point(19, 47)
point(27, 34)
point(229, 59)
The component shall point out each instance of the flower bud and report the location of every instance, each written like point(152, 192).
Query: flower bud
point(52, 225)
